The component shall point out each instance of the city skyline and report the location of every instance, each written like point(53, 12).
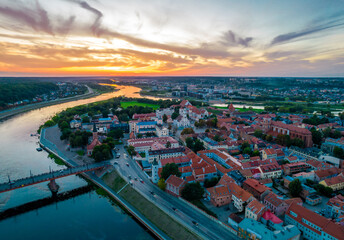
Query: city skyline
point(174, 38)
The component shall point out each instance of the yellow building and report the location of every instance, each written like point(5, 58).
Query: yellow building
point(336, 183)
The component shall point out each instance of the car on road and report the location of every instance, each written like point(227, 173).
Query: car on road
point(195, 223)
point(115, 162)
point(129, 176)
point(151, 192)
point(118, 155)
point(127, 164)
point(174, 209)
point(136, 179)
point(141, 180)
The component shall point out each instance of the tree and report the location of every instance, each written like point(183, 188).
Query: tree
point(338, 152)
point(255, 153)
point(164, 118)
point(247, 151)
point(187, 131)
point(211, 182)
point(101, 153)
point(269, 138)
point(162, 184)
point(198, 146)
point(64, 125)
point(131, 150)
point(86, 119)
point(109, 141)
point(217, 138)
point(295, 188)
point(244, 145)
point(170, 169)
point(258, 133)
point(316, 137)
point(174, 115)
point(189, 142)
point(336, 134)
point(116, 133)
point(193, 191)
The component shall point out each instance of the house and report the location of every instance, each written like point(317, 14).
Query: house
point(313, 199)
point(292, 168)
point(174, 185)
point(75, 123)
point(240, 196)
point(257, 189)
point(254, 210)
point(270, 171)
point(271, 220)
point(326, 173)
point(275, 204)
point(312, 225)
point(219, 195)
point(203, 173)
point(233, 222)
point(252, 229)
point(269, 153)
point(336, 183)
point(335, 206)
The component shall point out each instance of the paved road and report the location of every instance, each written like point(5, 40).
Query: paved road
point(206, 228)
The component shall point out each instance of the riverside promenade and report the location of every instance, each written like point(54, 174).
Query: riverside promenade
point(52, 148)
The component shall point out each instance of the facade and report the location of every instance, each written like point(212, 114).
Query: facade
point(313, 199)
point(275, 204)
point(269, 153)
point(251, 229)
point(336, 183)
point(257, 189)
point(219, 195)
point(157, 155)
point(240, 197)
point(312, 225)
point(292, 168)
point(174, 185)
point(254, 210)
point(270, 171)
point(95, 141)
point(335, 207)
point(331, 143)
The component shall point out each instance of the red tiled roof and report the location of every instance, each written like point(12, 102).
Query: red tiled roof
point(255, 184)
point(334, 180)
point(175, 181)
point(238, 192)
point(273, 199)
point(269, 216)
point(255, 206)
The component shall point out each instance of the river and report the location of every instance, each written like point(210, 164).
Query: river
point(87, 216)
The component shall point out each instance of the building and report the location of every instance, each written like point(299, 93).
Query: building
point(271, 220)
point(181, 122)
point(154, 143)
point(240, 197)
point(251, 229)
point(335, 207)
point(95, 141)
point(257, 189)
point(336, 183)
point(312, 225)
point(275, 204)
point(313, 199)
point(331, 143)
point(159, 154)
point(203, 173)
point(270, 171)
point(268, 153)
point(219, 195)
point(254, 210)
point(292, 168)
point(75, 123)
point(162, 131)
point(174, 185)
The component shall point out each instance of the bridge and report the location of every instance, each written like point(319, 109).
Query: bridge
point(50, 176)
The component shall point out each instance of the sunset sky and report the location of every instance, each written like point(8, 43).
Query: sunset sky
point(172, 37)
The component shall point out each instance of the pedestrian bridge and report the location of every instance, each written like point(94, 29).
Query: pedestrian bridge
point(50, 176)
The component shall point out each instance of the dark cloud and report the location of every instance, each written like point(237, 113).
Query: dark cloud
point(37, 18)
point(317, 25)
point(99, 15)
point(230, 38)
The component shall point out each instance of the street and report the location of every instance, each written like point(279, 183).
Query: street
point(186, 215)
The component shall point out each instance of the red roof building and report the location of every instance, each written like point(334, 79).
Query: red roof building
point(174, 185)
point(257, 189)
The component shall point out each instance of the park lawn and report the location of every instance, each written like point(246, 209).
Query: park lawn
point(134, 103)
point(247, 109)
point(154, 214)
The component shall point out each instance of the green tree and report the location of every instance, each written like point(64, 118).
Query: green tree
point(258, 133)
point(295, 188)
point(244, 145)
point(86, 119)
point(338, 152)
point(164, 118)
point(192, 191)
point(174, 115)
point(211, 182)
point(187, 131)
point(189, 142)
point(255, 153)
point(247, 150)
point(269, 138)
point(170, 169)
point(198, 146)
point(316, 137)
point(110, 141)
point(162, 184)
point(101, 153)
point(116, 133)
point(64, 125)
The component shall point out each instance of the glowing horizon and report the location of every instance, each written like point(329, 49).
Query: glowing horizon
point(172, 38)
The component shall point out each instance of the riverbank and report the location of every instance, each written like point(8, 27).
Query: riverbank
point(52, 148)
point(12, 112)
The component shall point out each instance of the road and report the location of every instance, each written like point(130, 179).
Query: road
point(207, 228)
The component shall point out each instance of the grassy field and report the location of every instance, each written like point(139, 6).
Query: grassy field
point(242, 109)
point(134, 103)
point(159, 218)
